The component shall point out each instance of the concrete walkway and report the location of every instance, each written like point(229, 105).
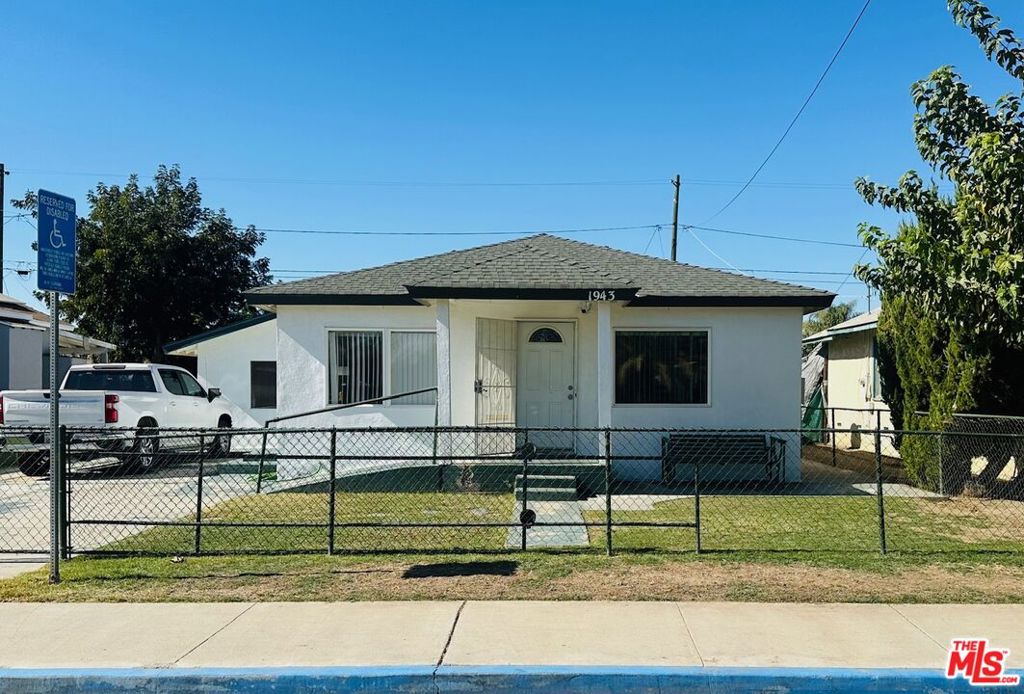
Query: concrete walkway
point(457, 634)
point(550, 535)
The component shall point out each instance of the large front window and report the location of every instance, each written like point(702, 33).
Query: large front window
point(661, 367)
point(369, 364)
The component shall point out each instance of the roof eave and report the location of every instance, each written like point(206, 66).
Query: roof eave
point(520, 293)
point(179, 345)
point(290, 299)
point(809, 303)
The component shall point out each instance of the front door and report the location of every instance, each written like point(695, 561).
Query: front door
point(546, 393)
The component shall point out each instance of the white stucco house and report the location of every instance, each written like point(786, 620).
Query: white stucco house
point(241, 360)
point(536, 332)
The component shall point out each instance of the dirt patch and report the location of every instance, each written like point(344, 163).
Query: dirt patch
point(975, 520)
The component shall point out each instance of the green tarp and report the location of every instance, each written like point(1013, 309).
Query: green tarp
point(814, 418)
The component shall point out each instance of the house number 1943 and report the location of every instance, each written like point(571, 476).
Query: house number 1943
point(601, 295)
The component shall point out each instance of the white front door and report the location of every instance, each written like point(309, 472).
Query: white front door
point(546, 393)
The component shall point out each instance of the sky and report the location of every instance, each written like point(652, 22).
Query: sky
point(472, 116)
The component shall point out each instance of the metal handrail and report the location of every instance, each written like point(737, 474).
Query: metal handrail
point(335, 408)
point(345, 406)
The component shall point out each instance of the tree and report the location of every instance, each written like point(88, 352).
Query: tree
point(955, 275)
point(828, 317)
point(155, 265)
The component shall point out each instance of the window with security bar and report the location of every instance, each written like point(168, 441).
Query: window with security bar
point(369, 364)
point(661, 367)
point(413, 366)
point(356, 366)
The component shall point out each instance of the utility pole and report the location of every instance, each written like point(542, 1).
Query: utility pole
point(3, 173)
point(869, 299)
point(675, 215)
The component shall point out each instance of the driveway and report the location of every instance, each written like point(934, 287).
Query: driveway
point(106, 494)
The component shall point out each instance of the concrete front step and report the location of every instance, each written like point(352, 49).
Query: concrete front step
point(547, 494)
point(549, 481)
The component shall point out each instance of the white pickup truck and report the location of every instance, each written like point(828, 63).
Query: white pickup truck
point(122, 406)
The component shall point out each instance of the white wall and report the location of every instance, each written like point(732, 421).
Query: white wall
point(223, 362)
point(26, 354)
point(754, 380)
point(302, 363)
point(754, 368)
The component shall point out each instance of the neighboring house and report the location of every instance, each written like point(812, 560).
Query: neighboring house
point(25, 347)
point(535, 332)
point(241, 360)
point(852, 383)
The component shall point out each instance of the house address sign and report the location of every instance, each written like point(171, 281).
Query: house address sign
point(601, 295)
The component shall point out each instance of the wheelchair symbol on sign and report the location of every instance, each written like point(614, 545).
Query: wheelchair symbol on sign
point(56, 237)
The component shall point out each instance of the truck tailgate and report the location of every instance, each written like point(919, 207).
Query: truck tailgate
point(29, 408)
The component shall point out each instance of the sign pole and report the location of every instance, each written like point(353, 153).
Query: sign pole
point(57, 245)
point(56, 460)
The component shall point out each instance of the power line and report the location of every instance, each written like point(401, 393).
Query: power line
point(784, 272)
point(803, 106)
point(795, 239)
point(851, 271)
point(712, 182)
point(371, 183)
point(503, 232)
point(708, 249)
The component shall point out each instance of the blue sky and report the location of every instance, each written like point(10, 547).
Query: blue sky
point(282, 110)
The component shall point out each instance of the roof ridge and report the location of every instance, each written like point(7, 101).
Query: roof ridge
point(668, 262)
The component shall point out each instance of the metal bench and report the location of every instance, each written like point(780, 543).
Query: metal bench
point(723, 457)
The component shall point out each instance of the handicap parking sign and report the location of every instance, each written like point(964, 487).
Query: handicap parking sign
point(58, 248)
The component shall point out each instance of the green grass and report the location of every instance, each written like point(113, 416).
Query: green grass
point(313, 510)
point(788, 548)
point(824, 576)
point(826, 523)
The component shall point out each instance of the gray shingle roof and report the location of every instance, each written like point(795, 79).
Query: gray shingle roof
point(541, 265)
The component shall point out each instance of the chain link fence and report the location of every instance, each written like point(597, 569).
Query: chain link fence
point(215, 491)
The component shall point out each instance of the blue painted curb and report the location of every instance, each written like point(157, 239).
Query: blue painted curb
point(467, 680)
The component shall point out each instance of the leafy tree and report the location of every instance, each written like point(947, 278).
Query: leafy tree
point(155, 265)
point(826, 318)
point(952, 282)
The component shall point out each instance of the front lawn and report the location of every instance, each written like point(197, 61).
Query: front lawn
point(757, 547)
point(309, 513)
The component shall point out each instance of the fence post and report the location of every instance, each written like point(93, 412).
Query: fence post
point(65, 511)
point(942, 466)
point(331, 501)
point(832, 436)
point(56, 454)
point(608, 490)
point(199, 495)
point(696, 501)
point(263, 454)
point(440, 470)
point(526, 487)
point(878, 480)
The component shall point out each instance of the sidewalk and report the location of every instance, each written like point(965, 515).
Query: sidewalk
point(433, 637)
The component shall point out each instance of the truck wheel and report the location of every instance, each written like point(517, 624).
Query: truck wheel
point(34, 465)
point(222, 442)
point(146, 449)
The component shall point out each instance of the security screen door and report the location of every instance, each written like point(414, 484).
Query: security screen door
point(495, 384)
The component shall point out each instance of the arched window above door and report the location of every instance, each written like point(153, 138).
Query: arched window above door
point(545, 335)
